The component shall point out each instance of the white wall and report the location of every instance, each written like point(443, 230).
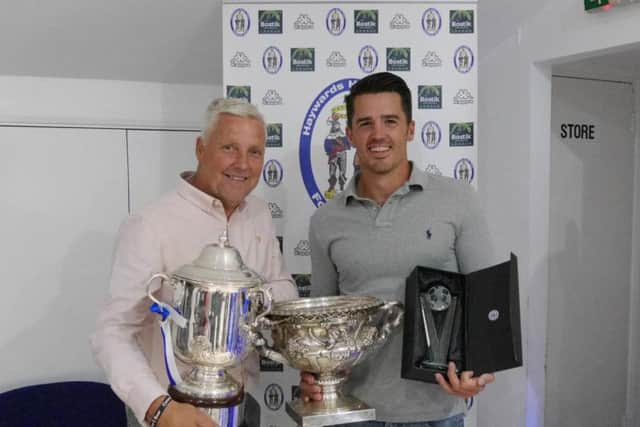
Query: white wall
point(514, 117)
point(65, 169)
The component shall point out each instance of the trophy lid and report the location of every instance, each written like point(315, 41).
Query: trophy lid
point(219, 264)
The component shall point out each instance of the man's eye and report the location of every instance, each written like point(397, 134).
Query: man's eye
point(227, 147)
point(256, 153)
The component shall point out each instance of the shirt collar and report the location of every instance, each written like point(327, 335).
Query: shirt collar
point(198, 197)
point(417, 182)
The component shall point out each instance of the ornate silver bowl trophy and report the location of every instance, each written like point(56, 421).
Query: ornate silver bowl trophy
point(328, 336)
point(216, 301)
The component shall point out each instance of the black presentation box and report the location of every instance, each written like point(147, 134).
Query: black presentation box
point(484, 322)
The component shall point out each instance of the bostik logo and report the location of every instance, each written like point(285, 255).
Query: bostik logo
point(336, 60)
point(327, 145)
point(303, 22)
point(272, 173)
point(399, 22)
point(463, 59)
point(461, 134)
point(240, 60)
point(274, 135)
point(463, 96)
point(303, 283)
point(430, 97)
point(271, 97)
point(270, 21)
point(336, 21)
point(368, 59)
point(365, 21)
point(303, 59)
point(239, 92)
point(464, 170)
point(431, 135)
point(431, 59)
point(431, 21)
point(240, 22)
point(460, 21)
point(272, 60)
point(398, 59)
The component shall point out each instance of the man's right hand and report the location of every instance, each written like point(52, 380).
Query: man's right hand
point(180, 415)
point(310, 390)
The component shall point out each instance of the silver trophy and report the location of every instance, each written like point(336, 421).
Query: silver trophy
point(437, 309)
point(328, 336)
point(215, 301)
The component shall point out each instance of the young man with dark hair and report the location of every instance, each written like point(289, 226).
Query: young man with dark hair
point(367, 240)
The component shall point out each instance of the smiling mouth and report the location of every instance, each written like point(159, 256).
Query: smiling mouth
point(379, 148)
point(236, 178)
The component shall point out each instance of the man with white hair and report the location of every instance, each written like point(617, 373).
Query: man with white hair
point(171, 232)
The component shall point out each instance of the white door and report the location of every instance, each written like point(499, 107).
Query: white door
point(591, 212)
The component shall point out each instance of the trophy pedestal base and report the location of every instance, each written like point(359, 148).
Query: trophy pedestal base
point(345, 409)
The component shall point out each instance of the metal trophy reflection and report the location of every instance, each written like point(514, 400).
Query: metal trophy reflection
point(215, 301)
point(437, 309)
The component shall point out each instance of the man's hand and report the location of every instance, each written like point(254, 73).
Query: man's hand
point(466, 385)
point(180, 415)
point(310, 390)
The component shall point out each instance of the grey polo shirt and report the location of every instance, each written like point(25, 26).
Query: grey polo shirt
point(359, 247)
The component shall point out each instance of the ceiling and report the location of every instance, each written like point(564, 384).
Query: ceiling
point(174, 41)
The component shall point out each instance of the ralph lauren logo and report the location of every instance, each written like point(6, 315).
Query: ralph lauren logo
point(428, 233)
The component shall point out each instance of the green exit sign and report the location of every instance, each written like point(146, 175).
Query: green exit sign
point(593, 4)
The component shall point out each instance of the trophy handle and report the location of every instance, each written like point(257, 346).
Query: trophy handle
point(393, 311)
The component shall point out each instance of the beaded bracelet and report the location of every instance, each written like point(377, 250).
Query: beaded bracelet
point(159, 411)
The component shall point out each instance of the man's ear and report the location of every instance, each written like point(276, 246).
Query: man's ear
point(412, 130)
point(199, 147)
point(348, 132)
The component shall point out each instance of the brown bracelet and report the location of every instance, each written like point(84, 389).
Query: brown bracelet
point(159, 411)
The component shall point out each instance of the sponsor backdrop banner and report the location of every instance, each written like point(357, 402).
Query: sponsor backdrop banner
point(296, 62)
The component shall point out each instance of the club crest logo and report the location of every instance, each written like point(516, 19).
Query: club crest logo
point(303, 58)
point(240, 22)
point(431, 21)
point(464, 170)
point(325, 152)
point(270, 22)
point(273, 397)
point(303, 283)
point(303, 248)
point(460, 21)
point(431, 59)
point(463, 59)
point(398, 59)
point(239, 92)
point(365, 21)
point(429, 97)
point(303, 22)
point(336, 21)
point(240, 60)
point(272, 60)
point(399, 22)
point(431, 135)
point(274, 135)
point(463, 96)
point(368, 59)
point(271, 97)
point(272, 173)
point(276, 211)
point(433, 169)
point(461, 134)
point(336, 60)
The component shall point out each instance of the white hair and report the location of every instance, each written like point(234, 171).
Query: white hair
point(236, 107)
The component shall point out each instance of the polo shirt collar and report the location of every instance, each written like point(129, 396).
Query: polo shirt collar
point(198, 197)
point(417, 182)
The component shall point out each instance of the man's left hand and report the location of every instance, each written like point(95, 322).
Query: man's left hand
point(465, 385)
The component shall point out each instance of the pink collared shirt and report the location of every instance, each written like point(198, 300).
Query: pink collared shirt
point(162, 237)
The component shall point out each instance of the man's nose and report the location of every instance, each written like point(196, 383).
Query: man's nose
point(242, 160)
